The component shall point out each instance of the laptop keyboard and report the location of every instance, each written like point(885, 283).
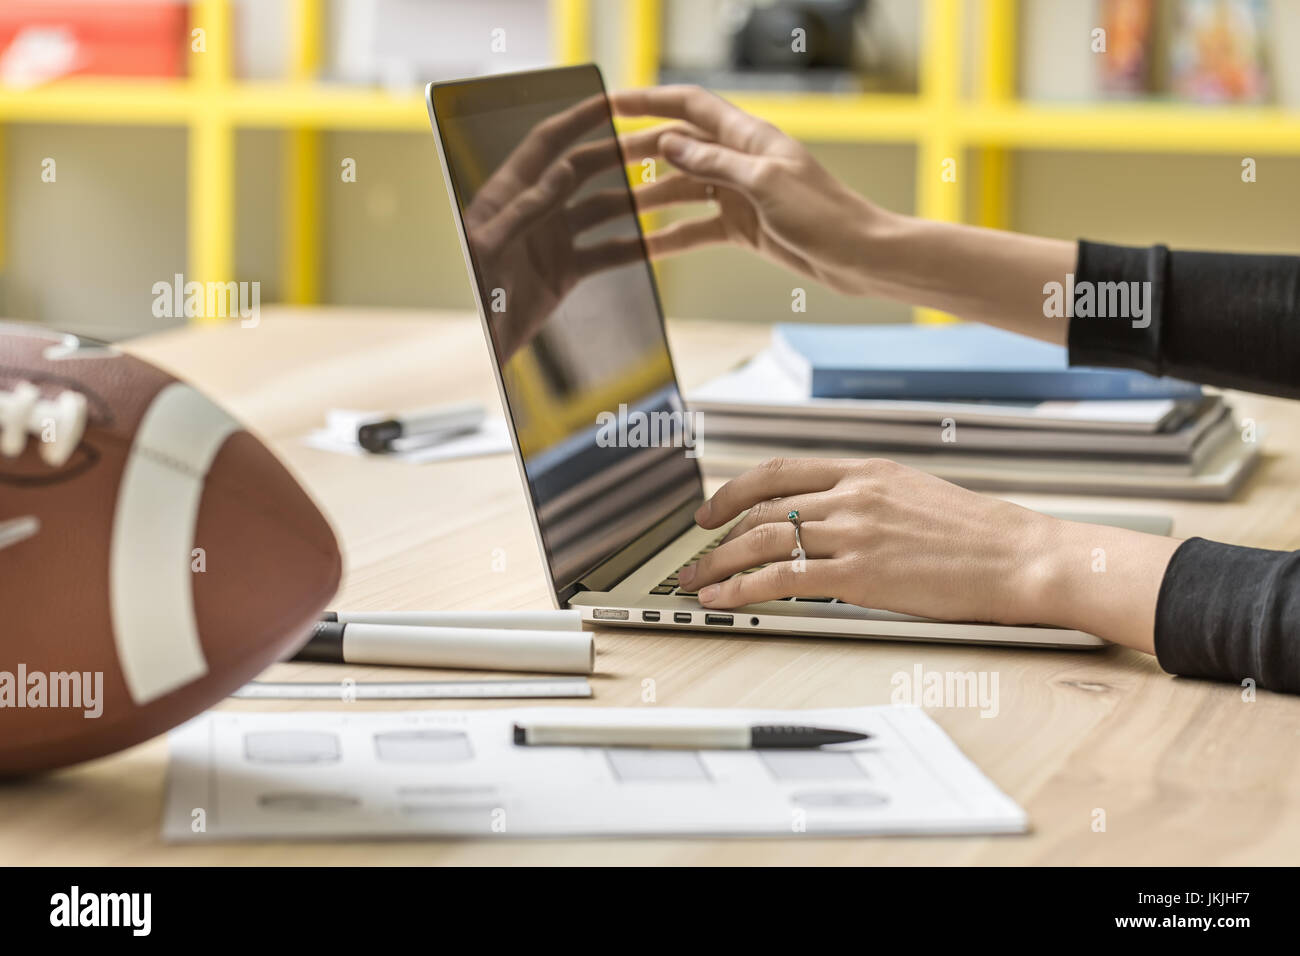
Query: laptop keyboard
point(670, 585)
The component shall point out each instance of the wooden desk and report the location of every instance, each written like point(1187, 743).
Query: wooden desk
point(1185, 770)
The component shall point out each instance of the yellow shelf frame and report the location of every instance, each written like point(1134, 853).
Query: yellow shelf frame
point(883, 117)
point(942, 123)
point(211, 151)
point(300, 243)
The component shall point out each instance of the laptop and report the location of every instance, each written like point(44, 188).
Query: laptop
point(606, 446)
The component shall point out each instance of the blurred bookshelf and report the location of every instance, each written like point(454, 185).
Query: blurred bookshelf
point(940, 119)
point(212, 103)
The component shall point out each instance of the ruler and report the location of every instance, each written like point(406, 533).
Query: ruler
point(416, 690)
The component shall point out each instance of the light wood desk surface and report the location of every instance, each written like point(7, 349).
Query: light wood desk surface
point(1186, 772)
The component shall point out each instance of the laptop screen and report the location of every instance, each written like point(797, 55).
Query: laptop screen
point(571, 308)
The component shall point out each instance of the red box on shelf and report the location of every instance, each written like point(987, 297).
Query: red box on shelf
point(136, 38)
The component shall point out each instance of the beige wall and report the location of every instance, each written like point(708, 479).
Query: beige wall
point(84, 251)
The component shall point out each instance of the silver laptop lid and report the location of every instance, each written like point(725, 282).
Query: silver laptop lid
point(571, 310)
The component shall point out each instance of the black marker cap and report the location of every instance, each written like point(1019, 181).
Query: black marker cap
point(325, 645)
point(377, 437)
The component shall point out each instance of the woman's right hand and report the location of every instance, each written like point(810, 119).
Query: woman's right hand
point(772, 195)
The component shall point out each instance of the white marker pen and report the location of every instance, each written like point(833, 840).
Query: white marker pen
point(523, 620)
point(557, 652)
point(430, 424)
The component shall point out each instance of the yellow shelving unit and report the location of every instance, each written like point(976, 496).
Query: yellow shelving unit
point(945, 125)
point(942, 122)
point(212, 104)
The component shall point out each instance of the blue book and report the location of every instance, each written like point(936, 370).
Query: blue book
point(953, 362)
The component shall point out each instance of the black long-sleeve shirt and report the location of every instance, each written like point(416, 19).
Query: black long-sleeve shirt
point(1232, 321)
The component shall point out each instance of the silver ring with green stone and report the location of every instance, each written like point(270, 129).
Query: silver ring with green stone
point(793, 518)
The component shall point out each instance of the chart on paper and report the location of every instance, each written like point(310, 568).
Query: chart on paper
point(322, 775)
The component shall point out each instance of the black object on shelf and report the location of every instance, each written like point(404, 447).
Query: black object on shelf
point(796, 35)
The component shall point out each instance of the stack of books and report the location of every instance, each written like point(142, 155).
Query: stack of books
point(980, 407)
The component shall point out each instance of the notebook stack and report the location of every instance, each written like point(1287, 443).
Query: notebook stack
point(980, 407)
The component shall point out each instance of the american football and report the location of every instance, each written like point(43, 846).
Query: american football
point(154, 555)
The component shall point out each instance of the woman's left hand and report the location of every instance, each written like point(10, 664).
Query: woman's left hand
point(876, 534)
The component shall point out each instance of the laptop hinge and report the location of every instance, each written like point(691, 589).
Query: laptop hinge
point(615, 568)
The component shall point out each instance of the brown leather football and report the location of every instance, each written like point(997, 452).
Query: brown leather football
point(154, 555)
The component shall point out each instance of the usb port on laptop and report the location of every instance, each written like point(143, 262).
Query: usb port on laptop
point(649, 615)
point(719, 619)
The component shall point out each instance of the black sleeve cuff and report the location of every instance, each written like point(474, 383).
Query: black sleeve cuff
point(1124, 341)
point(1231, 613)
point(1222, 319)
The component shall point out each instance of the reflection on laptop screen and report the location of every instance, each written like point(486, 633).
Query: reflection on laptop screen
point(571, 308)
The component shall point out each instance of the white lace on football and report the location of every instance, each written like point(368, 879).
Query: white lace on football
point(59, 423)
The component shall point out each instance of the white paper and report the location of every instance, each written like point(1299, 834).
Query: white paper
point(762, 386)
point(38, 54)
point(325, 775)
point(492, 438)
